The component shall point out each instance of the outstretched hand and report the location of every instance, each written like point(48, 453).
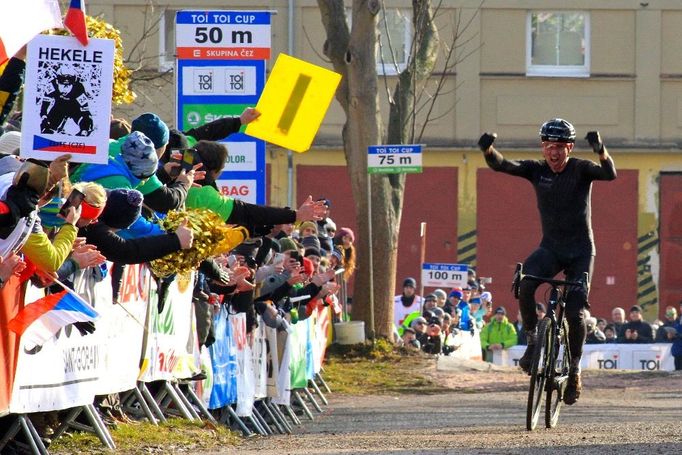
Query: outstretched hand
point(594, 139)
point(486, 141)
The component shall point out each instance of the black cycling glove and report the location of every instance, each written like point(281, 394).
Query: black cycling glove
point(486, 141)
point(594, 139)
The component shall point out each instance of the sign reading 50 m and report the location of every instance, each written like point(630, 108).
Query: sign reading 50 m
point(222, 35)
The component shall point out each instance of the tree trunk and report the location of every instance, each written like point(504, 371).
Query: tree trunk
point(353, 54)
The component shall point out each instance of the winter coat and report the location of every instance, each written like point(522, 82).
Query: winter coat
point(496, 332)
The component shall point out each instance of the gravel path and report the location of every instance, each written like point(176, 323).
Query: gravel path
point(483, 412)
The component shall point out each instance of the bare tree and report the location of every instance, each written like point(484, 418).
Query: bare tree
point(352, 52)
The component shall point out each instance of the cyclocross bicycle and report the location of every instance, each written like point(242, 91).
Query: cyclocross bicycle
point(552, 356)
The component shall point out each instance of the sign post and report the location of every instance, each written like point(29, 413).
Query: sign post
point(386, 159)
point(221, 57)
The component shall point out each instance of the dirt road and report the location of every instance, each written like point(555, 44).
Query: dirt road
point(483, 412)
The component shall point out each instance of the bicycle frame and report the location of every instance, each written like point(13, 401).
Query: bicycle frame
point(547, 375)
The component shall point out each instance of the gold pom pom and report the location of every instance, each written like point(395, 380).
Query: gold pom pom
point(211, 237)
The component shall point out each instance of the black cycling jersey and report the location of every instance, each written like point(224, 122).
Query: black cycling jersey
point(563, 199)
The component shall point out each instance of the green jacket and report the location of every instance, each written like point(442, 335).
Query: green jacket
point(495, 332)
point(209, 198)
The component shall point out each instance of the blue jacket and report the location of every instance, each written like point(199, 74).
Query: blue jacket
point(676, 349)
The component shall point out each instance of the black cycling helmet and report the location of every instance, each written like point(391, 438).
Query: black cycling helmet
point(557, 130)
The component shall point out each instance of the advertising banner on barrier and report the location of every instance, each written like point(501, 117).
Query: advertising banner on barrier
point(468, 346)
point(171, 335)
point(297, 354)
point(272, 362)
point(245, 376)
point(224, 359)
point(69, 366)
point(283, 396)
point(644, 357)
point(309, 343)
point(322, 324)
point(259, 358)
point(120, 328)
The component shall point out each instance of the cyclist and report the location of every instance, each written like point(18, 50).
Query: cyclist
point(563, 187)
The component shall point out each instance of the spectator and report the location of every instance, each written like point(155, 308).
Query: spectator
point(487, 304)
point(410, 338)
point(637, 330)
point(520, 333)
point(669, 322)
point(601, 324)
point(419, 326)
point(676, 348)
point(498, 334)
point(454, 298)
point(407, 302)
point(345, 239)
point(441, 298)
point(477, 311)
point(618, 321)
point(430, 302)
point(432, 341)
point(594, 335)
point(610, 334)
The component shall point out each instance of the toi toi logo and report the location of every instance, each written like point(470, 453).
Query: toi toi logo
point(650, 365)
point(608, 364)
point(236, 82)
point(204, 82)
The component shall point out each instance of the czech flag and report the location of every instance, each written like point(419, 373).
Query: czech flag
point(21, 20)
point(41, 320)
point(74, 21)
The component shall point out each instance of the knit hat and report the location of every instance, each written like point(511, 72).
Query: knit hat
point(456, 293)
point(311, 242)
point(486, 296)
point(337, 254)
point(500, 310)
point(122, 208)
point(410, 282)
point(10, 142)
point(307, 225)
point(287, 244)
point(440, 294)
point(326, 245)
point(273, 282)
point(344, 231)
point(312, 252)
point(153, 127)
point(139, 155)
point(248, 248)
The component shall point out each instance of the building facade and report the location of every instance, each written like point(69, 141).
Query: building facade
point(610, 65)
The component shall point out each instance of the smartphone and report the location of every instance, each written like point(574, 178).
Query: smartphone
point(189, 158)
point(295, 255)
point(74, 200)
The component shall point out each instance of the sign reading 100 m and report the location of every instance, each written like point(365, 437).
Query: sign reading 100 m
point(444, 275)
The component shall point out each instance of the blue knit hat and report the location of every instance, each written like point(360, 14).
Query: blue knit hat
point(122, 209)
point(153, 127)
point(139, 155)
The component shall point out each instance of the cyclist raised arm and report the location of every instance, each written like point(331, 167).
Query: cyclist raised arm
point(563, 186)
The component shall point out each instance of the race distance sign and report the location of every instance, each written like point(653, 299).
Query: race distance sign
point(223, 35)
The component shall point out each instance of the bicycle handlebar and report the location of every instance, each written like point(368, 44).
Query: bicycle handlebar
point(520, 276)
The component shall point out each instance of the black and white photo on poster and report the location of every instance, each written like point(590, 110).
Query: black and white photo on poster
point(65, 93)
point(67, 99)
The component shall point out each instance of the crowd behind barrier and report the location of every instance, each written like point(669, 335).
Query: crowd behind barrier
point(463, 323)
point(135, 286)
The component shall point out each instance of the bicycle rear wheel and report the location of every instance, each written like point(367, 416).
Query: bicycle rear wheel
point(537, 374)
point(557, 376)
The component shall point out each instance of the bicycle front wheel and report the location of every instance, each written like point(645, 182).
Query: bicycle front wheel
point(557, 376)
point(537, 374)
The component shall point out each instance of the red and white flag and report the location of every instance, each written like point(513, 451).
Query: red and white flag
point(74, 21)
point(21, 20)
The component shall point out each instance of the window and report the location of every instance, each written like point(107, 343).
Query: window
point(395, 29)
point(167, 39)
point(558, 44)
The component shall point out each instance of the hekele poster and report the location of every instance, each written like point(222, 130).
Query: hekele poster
point(67, 99)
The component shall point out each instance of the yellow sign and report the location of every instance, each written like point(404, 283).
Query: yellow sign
point(293, 103)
